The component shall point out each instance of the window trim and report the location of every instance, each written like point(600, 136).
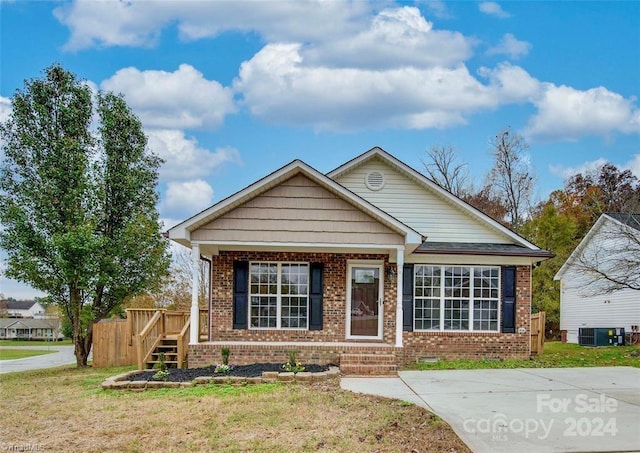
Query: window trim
point(278, 295)
point(471, 299)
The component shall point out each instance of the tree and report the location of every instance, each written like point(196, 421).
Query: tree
point(486, 201)
point(174, 291)
point(511, 176)
point(79, 208)
point(443, 168)
point(550, 229)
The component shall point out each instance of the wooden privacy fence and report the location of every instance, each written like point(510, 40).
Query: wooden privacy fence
point(537, 332)
point(113, 343)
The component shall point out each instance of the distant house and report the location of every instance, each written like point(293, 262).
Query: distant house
point(24, 309)
point(30, 329)
point(581, 304)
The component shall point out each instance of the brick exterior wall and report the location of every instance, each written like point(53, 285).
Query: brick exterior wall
point(334, 303)
point(446, 346)
point(471, 345)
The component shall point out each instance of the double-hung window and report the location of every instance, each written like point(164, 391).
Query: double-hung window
point(279, 295)
point(456, 298)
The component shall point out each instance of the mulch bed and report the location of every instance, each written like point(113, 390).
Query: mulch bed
point(189, 374)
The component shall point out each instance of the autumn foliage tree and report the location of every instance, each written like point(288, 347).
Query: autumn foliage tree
point(78, 200)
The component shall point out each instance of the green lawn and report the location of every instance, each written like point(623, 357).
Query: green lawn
point(10, 354)
point(34, 343)
point(556, 355)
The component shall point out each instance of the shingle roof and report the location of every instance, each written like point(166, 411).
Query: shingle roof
point(632, 220)
point(50, 323)
point(480, 248)
point(20, 304)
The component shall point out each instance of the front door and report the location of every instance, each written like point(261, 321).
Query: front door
point(364, 296)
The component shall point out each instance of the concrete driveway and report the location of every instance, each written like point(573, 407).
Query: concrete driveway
point(63, 356)
point(526, 410)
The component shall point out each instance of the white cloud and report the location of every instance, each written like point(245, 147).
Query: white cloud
point(279, 88)
point(512, 83)
point(183, 199)
point(5, 108)
point(95, 23)
point(510, 46)
point(591, 166)
point(565, 113)
point(634, 165)
point(179, 99)
point(493, 9)
point(184, 158)
point(439, 9)
point(396, 37)
point(585, 167)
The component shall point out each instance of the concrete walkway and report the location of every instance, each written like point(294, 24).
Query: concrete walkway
point(525, 410)
point(63, 356)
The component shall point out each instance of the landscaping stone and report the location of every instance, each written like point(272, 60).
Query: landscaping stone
point(137, 384)
point(317, 377)
point(286, 377)
point(141, 380)
point(303, 376)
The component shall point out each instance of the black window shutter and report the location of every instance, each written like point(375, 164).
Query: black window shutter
point(240, 294)
point(407, 297)
point(509, 299)
point(315, 296)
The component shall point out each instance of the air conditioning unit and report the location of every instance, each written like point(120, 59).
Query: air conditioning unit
point(601, 336)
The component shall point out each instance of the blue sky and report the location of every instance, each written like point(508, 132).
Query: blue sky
point(229, 91)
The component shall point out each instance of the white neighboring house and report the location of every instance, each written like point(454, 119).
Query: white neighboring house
point(25, 309)
point(587, 300)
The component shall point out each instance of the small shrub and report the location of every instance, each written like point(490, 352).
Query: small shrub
point(223, 369)
point(226, 352)
point(161, 375)
point(161, 365)
point(293, 365)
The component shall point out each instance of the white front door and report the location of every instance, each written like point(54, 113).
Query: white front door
point(365, 297)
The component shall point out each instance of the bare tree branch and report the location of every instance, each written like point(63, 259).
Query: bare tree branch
point(443, 168)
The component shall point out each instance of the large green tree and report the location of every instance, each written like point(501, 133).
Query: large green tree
point(78, 200)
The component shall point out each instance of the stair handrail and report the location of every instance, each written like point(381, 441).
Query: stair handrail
point(183, 342)
point(149, 338)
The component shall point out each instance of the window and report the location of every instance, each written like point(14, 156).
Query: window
point(457, 298)
point(279, 295)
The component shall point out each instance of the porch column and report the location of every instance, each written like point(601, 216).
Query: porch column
point(399, 280)
point(195, 292)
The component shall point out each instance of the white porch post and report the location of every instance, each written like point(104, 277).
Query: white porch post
point(195, 292)
point(399, 279)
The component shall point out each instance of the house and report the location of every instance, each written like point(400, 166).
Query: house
point(588, 301)
point(30, 329)
point(371, 265)
point(24, 309)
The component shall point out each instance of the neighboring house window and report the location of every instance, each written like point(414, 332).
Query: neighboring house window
point(279, 295)
point(458, 298)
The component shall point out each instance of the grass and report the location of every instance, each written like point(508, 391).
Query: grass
point(10, 354)
point(555, 355)
point(65, 409)
point(35, 343)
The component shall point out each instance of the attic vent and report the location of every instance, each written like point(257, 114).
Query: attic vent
point(374, 180)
